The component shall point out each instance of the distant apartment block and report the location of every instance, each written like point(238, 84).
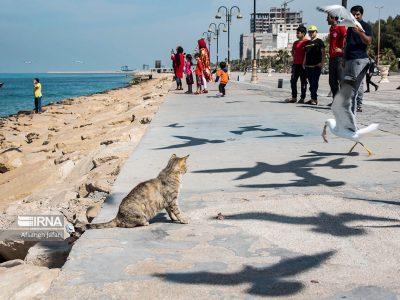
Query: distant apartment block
point(276, 20)
point(275, 30)
point(268, 44)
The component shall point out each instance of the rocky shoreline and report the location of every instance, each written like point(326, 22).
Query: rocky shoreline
point(65, 160)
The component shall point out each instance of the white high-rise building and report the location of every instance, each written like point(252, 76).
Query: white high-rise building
point(275, 30)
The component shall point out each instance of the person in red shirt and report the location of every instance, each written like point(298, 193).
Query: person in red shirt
point(178, 62)
point(298, 52)
point(337, 41)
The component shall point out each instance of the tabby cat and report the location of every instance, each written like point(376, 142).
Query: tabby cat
point(150, 197)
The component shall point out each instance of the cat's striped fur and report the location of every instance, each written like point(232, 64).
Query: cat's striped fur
point(150, 197)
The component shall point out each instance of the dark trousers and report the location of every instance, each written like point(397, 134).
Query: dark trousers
point(313, 74)
point(335, 74)
point(298, 72)
point(221, 88)
point(370, 82)
point(38, 104)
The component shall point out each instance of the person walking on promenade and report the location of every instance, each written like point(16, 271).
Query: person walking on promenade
point(178, 60)
point(205, 59)
point(337, 41)
point(189, 73)
point(37, 92)
point(314, 61)
point(298, 53)
point(370, 73)
point(223, 78)
point(356, 57)
point(199, 74)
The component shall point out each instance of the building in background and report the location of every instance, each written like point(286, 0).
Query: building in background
point(275, 30)
point(276, 20)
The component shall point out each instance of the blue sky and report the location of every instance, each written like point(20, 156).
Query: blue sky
point(106, 34)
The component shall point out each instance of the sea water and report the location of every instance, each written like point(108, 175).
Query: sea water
point(17, 91)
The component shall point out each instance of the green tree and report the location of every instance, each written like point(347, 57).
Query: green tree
point(390, 40)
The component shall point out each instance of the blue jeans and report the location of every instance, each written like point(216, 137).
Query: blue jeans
point(38, 104)
point(313, 74)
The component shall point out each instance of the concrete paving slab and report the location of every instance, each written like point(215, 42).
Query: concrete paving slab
point(302, 219)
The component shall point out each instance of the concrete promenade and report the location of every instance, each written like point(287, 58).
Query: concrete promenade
point(302, 219)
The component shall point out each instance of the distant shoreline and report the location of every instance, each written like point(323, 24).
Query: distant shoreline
point(132, 80)
point(90, 72)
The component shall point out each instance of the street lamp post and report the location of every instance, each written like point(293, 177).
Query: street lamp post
point(254, 78)
point(379, 34)
point(228, 17)
point(217, 32)
point(208, 36)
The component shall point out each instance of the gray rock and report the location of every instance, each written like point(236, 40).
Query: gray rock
point(12, 263)
point(49, 254)
point(25, 281)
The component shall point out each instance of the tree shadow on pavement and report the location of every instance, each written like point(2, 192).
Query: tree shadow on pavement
point(301, 168)
point(243, 129)
point(274, 280)
point(190, 142)
point(324, 223)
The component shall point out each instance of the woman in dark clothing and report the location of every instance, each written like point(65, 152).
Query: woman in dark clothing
point(370, 73)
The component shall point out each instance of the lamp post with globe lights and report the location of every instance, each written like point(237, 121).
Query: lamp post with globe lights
point(217, 32)
point(229, 13)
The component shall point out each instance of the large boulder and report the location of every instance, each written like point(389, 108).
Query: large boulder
point(25, 281)
point(14, 249)
point(51, 254)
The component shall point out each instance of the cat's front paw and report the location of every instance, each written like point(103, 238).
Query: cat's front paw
point(183, 221)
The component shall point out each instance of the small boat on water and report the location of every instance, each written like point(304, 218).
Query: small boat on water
point(1, 84)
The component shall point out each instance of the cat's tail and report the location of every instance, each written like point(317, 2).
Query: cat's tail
point(111, 224)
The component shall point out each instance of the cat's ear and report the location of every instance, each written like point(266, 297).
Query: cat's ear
point(186, 157)
point(173, 156)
